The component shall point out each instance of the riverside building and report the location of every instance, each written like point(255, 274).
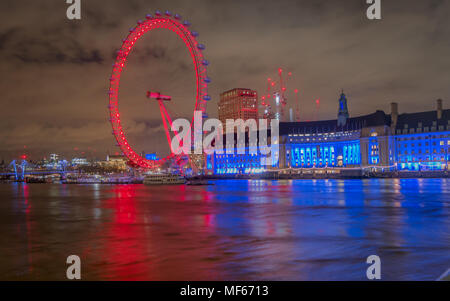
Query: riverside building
point(378, 141)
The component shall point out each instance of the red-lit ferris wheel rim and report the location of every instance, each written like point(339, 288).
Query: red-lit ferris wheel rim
point(174, 24)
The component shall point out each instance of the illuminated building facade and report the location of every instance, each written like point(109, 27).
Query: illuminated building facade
point(238, 103)
point(118, 162)
point(344, 142)
point(410, 141)
point(422, 140)
point(79, 162)
point(54, 158)
point(378, 141)
point(236, 163)
point(151, 156)
point(246, 160)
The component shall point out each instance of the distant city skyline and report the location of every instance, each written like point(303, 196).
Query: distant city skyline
point(54, 95)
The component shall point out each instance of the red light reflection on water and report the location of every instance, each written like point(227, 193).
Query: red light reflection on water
point(24, 207)
point(157, 233)
point(26, 195)
point(125, 245)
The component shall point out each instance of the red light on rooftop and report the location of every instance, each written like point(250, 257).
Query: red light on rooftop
point(23, 157)
point(296, 90)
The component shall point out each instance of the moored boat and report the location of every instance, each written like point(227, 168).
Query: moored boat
point(163, 179)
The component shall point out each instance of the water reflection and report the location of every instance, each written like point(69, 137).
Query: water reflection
point(280, 230)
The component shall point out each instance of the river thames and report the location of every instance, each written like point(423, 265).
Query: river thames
point(233, 230)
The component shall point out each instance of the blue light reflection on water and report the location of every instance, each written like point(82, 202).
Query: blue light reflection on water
point(331, 224)
point(236, 229)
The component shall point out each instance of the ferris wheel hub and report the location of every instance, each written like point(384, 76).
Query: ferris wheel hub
point(158, 96)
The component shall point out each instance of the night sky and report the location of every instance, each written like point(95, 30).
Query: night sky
point(54, 71)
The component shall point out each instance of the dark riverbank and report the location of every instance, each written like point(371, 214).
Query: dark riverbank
point(285, 175)
point(332, 174)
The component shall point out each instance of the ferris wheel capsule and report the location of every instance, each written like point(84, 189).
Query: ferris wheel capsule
point(177, 16)
point(201, 46)
point(148, 16)
point(186, 23)
point(158, 13)
point(139, 22)
point(207, 80)
point(194, 33)
point(168, 13)
point(207, 97)
point(205, 62)
point(131, 29)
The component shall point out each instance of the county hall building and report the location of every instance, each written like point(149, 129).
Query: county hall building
point(383, 142)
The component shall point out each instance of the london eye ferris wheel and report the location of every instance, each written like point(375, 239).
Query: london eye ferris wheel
point(174, 25)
